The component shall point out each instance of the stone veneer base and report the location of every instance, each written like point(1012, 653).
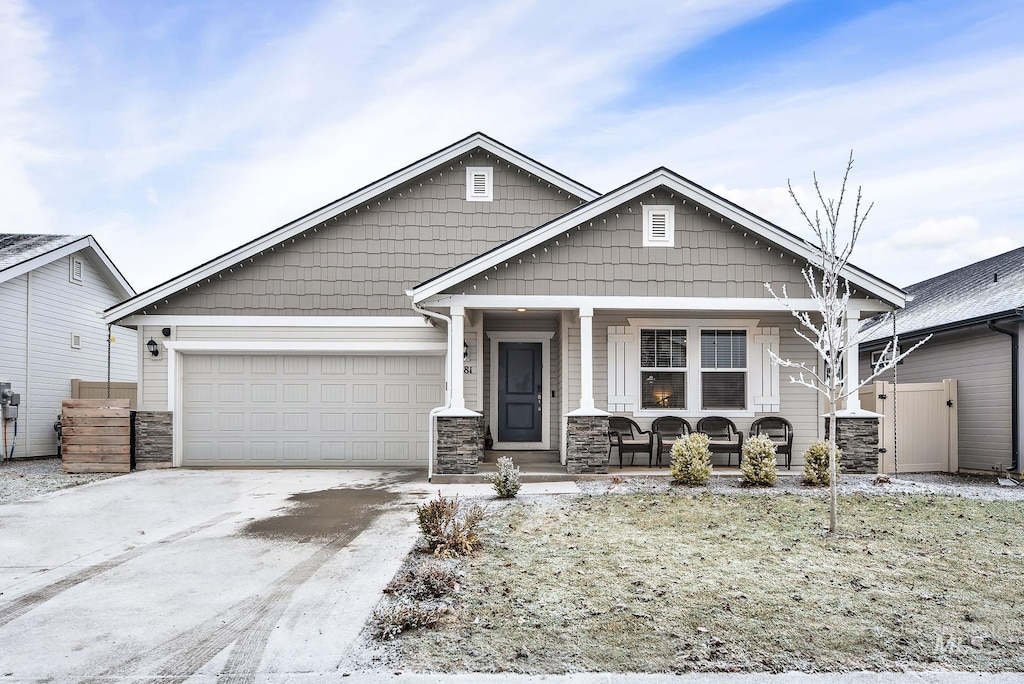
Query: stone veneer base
point(858, 439)
point(153, 443)
point(460, 444)
point(586, 444)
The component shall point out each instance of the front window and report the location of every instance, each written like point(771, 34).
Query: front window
point(663, 369)
point(723, 370)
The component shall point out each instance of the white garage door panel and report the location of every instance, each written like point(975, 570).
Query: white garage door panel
point(308, 410)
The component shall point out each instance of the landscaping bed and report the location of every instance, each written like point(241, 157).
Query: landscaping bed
point(688, 580)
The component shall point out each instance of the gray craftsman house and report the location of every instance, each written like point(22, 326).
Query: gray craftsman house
point(974, 315)
point(474, 291)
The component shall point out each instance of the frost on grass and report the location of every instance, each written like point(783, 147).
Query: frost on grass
point(680, 582)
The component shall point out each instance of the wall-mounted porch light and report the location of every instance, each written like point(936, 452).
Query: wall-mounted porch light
point(153, 348)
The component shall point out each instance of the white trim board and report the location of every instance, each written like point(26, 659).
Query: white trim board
point(689, 191)
point(278, 321)
point(299, 347)
point(610, 302)
point(312, 220)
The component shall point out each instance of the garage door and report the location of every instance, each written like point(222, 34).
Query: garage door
point(292, 410)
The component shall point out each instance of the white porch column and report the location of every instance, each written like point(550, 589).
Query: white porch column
point(587, 358)
point(852, 360)
point(458, 338)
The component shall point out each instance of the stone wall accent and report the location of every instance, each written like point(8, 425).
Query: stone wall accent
point(460, 444)
point(153, 439)
point(858, 439)
point(587, 444)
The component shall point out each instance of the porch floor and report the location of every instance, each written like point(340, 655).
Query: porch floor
point(555, 472)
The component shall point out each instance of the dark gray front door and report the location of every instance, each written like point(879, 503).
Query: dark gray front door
point(519, 392)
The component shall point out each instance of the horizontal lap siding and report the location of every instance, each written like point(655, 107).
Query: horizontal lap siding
point(153, 386)
point(607, 257)
point(13, 305)
point(979, 360)
point(363, 263)
point(59, 308)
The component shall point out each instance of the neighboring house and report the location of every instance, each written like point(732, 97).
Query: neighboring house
point(477, 282)
point(53, 291)
point(974, 315)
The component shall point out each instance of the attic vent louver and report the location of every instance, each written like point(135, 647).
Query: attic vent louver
point(76, 270)
point(479, 184)
point(659, 226)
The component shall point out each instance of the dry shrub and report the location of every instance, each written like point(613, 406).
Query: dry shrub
point(759, 462)
point(428, 579)
point(691, 459)
point(450, 531)
point(506, 481)
point(392, 619)
point(816, 463)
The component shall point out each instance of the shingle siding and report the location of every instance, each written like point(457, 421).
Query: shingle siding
point(363, 262)
point(606, 256)
point(979, 360)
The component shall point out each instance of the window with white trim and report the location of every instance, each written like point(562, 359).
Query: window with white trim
point(479, 183)
point(75, 274)
point(663, 369)
point(723, 370)
point(659, 226)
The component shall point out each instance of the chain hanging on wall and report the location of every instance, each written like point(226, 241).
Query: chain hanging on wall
point(895, 393)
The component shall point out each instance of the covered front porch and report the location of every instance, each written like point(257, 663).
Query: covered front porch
point(544, 374)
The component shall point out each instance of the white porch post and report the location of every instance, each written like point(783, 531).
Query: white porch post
point(587, 358)
point(852, 360)
point(458, 337)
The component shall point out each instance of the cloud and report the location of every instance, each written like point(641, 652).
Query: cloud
point(936, 233)
point(22, 79)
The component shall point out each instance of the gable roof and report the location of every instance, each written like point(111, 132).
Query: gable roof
point(21, 253)
point(660, 177)
point(982, 291)
point(339, 206)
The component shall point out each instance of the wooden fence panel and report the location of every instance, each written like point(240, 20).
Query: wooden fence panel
point(96, 437)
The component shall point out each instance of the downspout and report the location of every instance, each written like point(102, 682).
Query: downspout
point(1014, 392)
point(432, 444)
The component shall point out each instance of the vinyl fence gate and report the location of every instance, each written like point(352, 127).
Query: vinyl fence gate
point(926, 425)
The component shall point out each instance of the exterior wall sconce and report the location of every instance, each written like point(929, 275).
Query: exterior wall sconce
point(153, 348)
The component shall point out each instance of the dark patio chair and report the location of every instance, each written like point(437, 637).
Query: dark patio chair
point(780, 431)
point(625, 434)
point(668, 429)
point(725, 438)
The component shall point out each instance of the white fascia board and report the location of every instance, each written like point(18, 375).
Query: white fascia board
point(605, 203)
point(113, 274)
point(278, 321)
point(556, 302)
point(313, 220)
point(300, 347)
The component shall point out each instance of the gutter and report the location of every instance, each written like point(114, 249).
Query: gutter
point(432, 427)
point(1014, 391)
point(880, 342)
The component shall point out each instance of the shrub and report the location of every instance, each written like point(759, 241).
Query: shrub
point(429, 579)
point(391, 619)
point(816, 464)
point(759, 462)
point(449, 530)
point(691, 459)
point(506, 480)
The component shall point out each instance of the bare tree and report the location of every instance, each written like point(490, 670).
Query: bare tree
point(825, 325)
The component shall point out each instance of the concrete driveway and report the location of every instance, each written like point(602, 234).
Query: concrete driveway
point(203, 575)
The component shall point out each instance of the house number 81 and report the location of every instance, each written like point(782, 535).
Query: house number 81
point(467, 370)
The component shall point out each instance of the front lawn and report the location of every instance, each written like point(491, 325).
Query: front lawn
point(705, 582)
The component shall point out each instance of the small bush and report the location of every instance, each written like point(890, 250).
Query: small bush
point(392, 619)
point(759, 462)
point(506, 480)
point(816, 464)
point(691, 459)
point(449, 530)
point(429, 579)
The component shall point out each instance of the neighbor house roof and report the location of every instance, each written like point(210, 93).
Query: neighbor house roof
point(21, 253)
point(660, 177)
point(982, 291)
point(336, 208)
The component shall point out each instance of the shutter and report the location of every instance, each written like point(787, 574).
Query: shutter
point(622, 370)
point(763, 373)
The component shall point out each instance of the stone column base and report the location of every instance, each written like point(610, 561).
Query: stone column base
point(460, 444)
point(858, 439)
point(152, 442)
point(586, 444)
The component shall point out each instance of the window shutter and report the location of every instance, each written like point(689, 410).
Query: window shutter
point(622, 370)
point(763, 373)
